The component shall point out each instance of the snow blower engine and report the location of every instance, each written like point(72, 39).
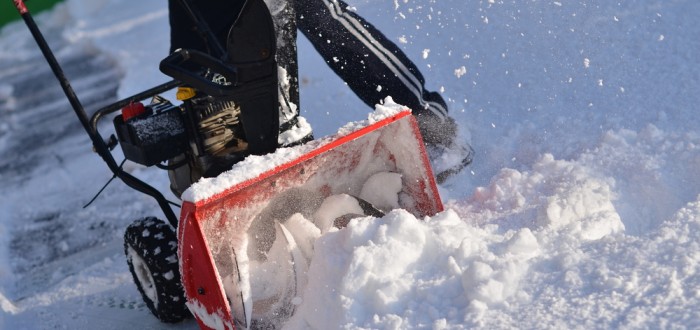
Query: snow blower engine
point(198, 139)
point(229, 110)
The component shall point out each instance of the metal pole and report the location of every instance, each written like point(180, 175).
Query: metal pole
point(98, 142)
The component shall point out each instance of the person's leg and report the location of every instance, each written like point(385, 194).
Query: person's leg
point(293, 128)
point(373, 66)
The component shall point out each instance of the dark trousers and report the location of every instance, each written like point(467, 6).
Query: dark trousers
point(372, 65)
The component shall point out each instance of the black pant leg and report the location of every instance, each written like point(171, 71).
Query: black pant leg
point(284, 17)
point(373, 66)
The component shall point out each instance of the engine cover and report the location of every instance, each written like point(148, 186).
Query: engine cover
point(154, 136)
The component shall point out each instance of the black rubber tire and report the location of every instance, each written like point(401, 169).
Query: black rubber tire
point(150, 245)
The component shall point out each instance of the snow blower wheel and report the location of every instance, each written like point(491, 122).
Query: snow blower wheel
point(150, 245)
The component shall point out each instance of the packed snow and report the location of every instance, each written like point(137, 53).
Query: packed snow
point(581, 209)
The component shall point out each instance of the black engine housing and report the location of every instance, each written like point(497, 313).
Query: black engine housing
point(154, 136)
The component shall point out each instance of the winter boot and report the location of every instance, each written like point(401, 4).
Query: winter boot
point(448, 152)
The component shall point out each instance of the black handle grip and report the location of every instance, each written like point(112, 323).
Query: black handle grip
point(178, 64)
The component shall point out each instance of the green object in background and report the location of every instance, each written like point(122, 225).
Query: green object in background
point(8, 12)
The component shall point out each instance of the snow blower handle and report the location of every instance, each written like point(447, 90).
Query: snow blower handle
point(177, 65)
point(19, 4)
point(98, 143)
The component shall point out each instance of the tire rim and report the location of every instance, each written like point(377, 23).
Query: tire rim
point(143, 274)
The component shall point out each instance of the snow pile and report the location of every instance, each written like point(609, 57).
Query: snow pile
point(399, 271)
point(504, 257)
point(657, 172)
point(560, 195)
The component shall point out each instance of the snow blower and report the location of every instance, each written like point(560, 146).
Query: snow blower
point(238, 254)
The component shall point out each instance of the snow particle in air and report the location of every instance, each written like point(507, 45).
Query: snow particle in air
point(459, 72)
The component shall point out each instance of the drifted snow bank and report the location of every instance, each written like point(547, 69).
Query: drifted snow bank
point(400, 271)
point(559, 195)
point(543, 248)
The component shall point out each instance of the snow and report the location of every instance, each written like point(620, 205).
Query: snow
point(147, 130)
point(213, 321)
point(385, 109)
point(302, 128)
point(382, 190)
point(333, 207)
point(581, 209)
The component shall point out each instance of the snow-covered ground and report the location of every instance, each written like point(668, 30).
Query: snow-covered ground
point(581, 210)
